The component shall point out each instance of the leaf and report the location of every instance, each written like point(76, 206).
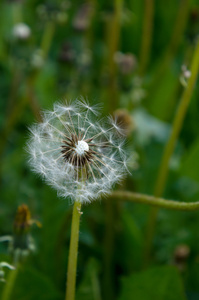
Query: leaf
point(159, 283)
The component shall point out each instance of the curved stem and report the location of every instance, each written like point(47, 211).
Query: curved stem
point(72, 259)
point(155, 201)
point(169, 148)
point(10, 282)
point(177, 124)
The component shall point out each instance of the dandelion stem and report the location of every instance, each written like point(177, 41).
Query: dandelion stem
point(155, 201)
point(10, 282)
point(109, 240)
point(72, 259)
point(169, 148)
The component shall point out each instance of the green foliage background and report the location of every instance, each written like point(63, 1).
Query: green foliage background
point(112, 237)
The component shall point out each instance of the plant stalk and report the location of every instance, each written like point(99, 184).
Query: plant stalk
point(109, 238)
point(10, 282)
point(73, 250)
point(170, 146)
point(155, 201)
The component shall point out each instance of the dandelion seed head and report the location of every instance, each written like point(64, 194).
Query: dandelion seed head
point(77, 154)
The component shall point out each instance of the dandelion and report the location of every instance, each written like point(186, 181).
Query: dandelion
point(81, 157)
point(20, 245)
point(21, 242)
point(71, 142)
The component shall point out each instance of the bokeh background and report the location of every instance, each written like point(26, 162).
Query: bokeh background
point(132, 57)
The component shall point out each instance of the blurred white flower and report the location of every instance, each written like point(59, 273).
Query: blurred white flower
point(71, 142)
point(21, 31)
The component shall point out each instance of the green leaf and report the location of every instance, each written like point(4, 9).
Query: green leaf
point(159, 283)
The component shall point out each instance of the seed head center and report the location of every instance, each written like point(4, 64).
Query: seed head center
point(81, 147)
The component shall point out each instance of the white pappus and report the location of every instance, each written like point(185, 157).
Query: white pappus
point(78, 155)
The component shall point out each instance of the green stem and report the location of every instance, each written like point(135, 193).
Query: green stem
point(146, 36)
point(109, 250)
point(47, 38)
point(10, 282)
point(169, 148)
point(113, 36)
point(72, 259)
point(177, 124)
point(155, 201)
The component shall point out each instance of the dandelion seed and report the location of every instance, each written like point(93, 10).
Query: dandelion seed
point(70, 140)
